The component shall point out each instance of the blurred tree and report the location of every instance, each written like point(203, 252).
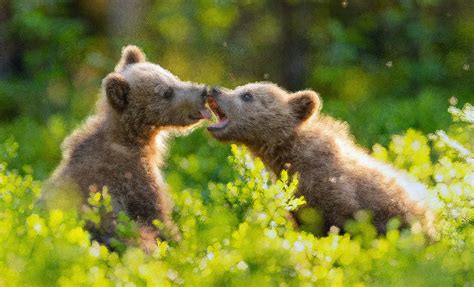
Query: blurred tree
point(295, 42)
point(125, 17)
point(6, 55)
point(8, 59)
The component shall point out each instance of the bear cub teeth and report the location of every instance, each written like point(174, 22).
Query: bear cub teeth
point(223, 120)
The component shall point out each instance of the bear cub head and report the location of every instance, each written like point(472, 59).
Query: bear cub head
point(259, 113)
point(146, 96)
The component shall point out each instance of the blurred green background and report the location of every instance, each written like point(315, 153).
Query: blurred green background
point(383, 66)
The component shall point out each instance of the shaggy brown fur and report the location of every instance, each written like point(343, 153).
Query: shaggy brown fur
point(287, 131)
point(119, 147)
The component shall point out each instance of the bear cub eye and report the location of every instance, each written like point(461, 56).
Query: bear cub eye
point(168, 94)
point(247, 97)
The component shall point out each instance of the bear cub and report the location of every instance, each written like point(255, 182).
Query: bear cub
point(336, 177)
point(121, 147)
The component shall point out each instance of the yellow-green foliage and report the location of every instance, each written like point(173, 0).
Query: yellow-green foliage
point(239, 233)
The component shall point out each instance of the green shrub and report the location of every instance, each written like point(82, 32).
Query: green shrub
point(239, 233)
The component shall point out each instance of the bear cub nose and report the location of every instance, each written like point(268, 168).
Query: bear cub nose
point(205, 92)
point(215, 91)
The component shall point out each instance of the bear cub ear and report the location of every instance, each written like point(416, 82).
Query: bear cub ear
point(304, 104)
point(116, 90)
point(130, 55)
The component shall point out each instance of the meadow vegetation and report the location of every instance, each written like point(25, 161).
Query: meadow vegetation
point(238, 232)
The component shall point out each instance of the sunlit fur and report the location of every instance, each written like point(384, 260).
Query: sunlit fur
point(287, 131)
point(121, 146)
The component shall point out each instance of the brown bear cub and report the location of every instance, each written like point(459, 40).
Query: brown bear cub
point(120, 147)
point(336, 177)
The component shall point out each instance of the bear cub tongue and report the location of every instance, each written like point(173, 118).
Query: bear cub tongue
point(205, 113)
point(220, 124)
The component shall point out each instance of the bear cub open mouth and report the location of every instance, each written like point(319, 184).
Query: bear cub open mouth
point(223, 120)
